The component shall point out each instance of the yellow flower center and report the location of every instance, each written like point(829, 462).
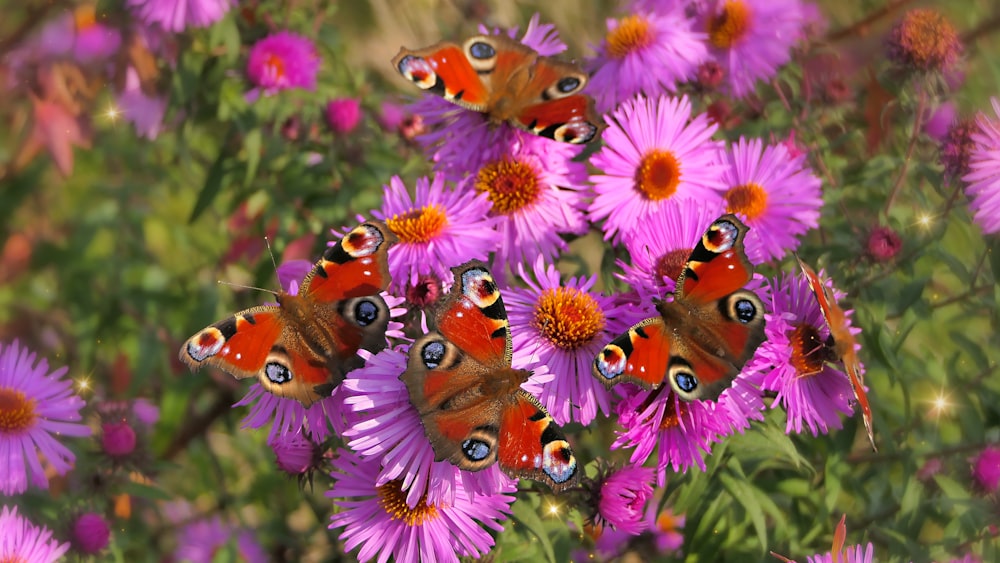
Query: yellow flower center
point(511, 185)
point(393, 501)
point(658, 175)
point(631, 35)
point(808, 350)
point(670, 265)
point(568, 317)
point(730, 26)
point(666, 521)
point(17, 412)
point(419, 225)
point(748, 199)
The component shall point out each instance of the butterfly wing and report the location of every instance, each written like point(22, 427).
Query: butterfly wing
point(844, 343)
point(445, 70)
point(473, 317)
point(705, 335)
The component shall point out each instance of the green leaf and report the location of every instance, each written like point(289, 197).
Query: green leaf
point(252, 145)
point(526, 515)
point(744, 494)
point(211, 188)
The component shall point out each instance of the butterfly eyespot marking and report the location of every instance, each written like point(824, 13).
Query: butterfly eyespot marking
point(575, 132)
point(683, 378)
point(745, 311)
point(366, 312)
point(363, 240)
point(277, 373)
point(610, 362)
point(720, 237)
point(482, 50)
point(432, 354)
point(558, 461)
point(475, 450)
point(478, 286)
point(568, 84)
point(418, 71)
point(206, 344)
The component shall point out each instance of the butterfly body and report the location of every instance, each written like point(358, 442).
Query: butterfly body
point(508, 82)
point(841, 345)
point(302, 347)
point(470, 399)
point(702, 338)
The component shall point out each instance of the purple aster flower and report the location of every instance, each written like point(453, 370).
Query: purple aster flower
point(90, 533)
point(381, 520)
point(36, 407)
point(983, 179)
point(849, 554)
point(343, 115)
point(91, 40)
point(655, 153)
point(774, 193)
point(199, 541)
point(281, 61)
point(620, 496)
point(646, 53)
point(383, 430)
point(660, 249)
point(986, 468)
point(750, 39)
point(940, 120)
point(793, 360)
point(664, 527)
point(563, 325)
point(118, 439)
point(437, 228)
point(535, 189)
point(20, 540)
point(178, 15)
point(145, 112)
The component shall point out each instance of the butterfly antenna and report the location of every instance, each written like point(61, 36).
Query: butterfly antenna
point(241, 286)
point(274, 263)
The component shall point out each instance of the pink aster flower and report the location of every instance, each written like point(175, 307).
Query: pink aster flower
point(383, 426)
point(983, 179)
point(295, 454)
point(986, 468)
point(535, 189)
point(36, 407)
point(380, 519)
point(563, 325)
point(750, 39)
point(20, 540)
point(621, 496)
point(659, 250)
point(281, 61)
point(655, 153)
point(118, 439)
point(178, 15)
point(663, 526)
point(792, 360)
point(437, 228)
point(646, 53)
point(343, 115)
point(777, 195)
point(90, 533)
point(145, 112)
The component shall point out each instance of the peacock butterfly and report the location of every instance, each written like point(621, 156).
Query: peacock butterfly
point(841, 344)
point(702, 338)
point(470, 400)
point(509, 82)
point(301, 348)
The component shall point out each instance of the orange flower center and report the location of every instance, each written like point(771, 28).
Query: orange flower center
point(17, 412)
point(85, 17)
point(393, 501)
point(511, 185)
point(275, 65)
point(808, 350)
point(419, 225)
point(670, 265)
point(658, 175)
point(748, 199)
point(666, 521)
point(631, 35)
point(730, 26)
point(568, 317)
point(673, 412)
